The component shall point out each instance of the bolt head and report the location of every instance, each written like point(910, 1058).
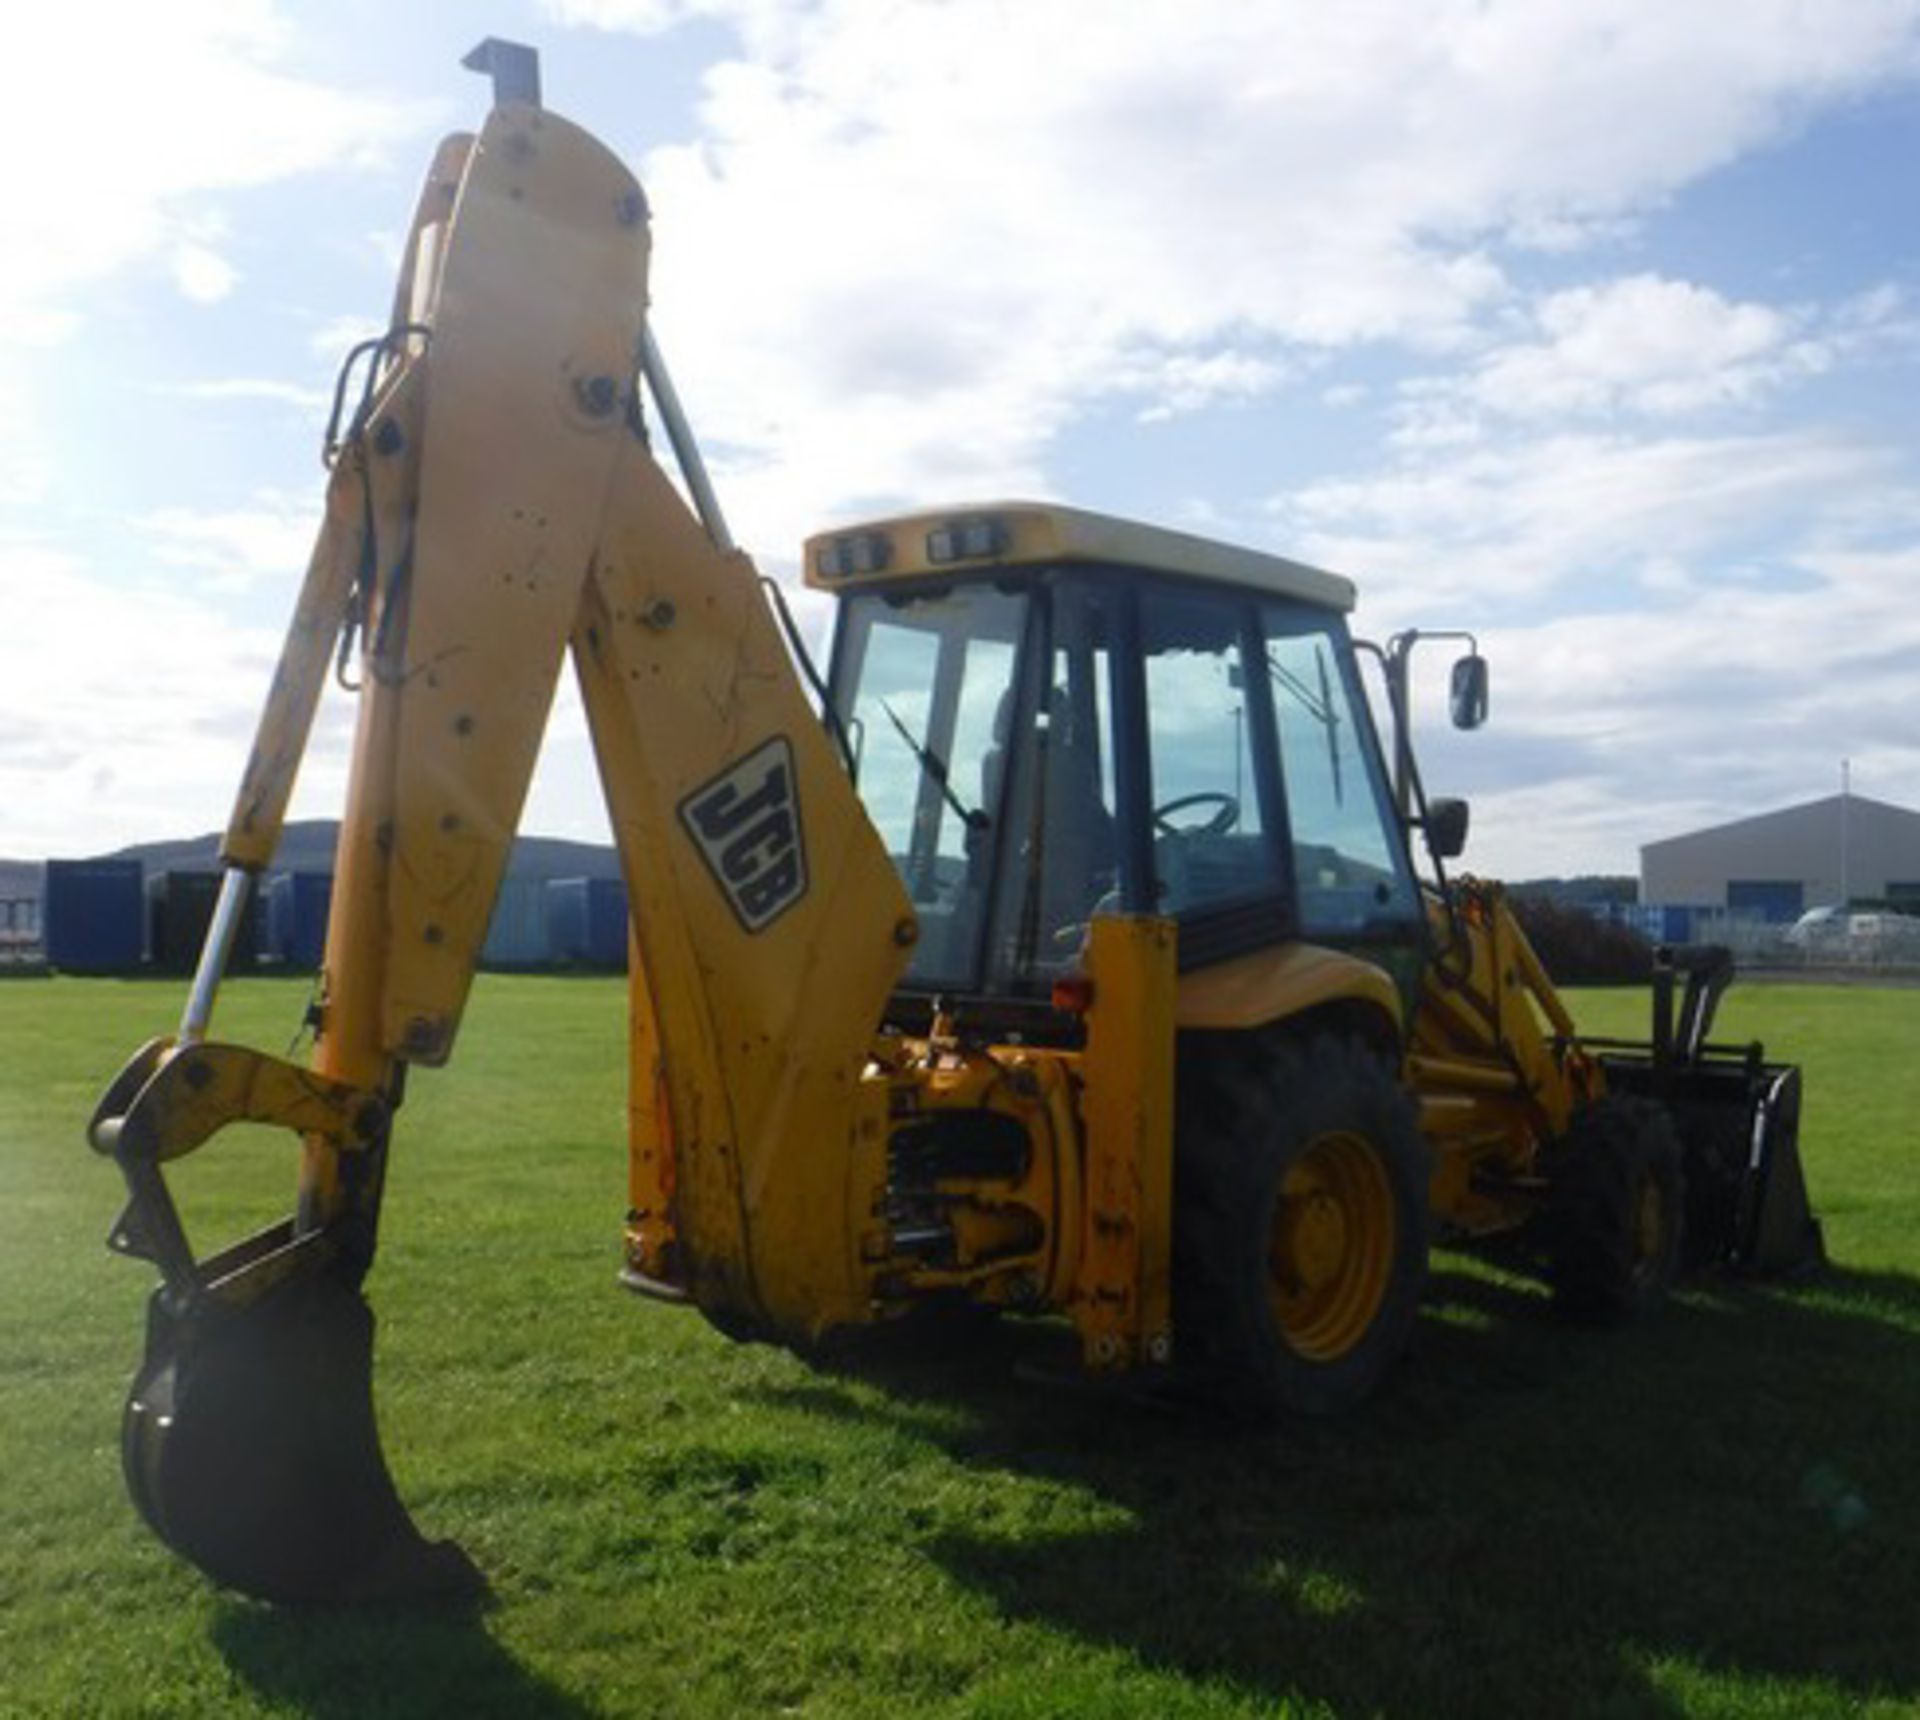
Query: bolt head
point(597, 395)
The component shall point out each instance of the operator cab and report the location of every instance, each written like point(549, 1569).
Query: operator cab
point(1054, 714)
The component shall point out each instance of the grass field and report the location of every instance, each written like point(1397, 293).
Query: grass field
point(1718, 1514)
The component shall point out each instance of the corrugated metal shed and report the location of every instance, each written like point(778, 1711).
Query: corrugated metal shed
point(517, 933)
point(94, 915)
point(1845, 847)
point(587, 922)
point(297, 904)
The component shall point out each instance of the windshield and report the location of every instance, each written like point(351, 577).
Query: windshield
point(926, 685)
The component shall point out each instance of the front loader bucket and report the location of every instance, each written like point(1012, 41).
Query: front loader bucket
point(250, 1447)
point(1739, 1123)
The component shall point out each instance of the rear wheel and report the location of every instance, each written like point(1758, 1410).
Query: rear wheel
point(1300, 1222)
point(1618, 1192)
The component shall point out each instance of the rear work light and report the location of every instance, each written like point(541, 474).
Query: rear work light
point(968, 540)
point(1073, 993)
point(857, 552)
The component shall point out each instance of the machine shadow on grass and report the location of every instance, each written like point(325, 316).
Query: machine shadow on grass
point(342, 1664)
point(1528, 1519)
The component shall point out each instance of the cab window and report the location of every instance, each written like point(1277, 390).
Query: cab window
point(1210, 816)
point(927, 686)
point(1349, 861)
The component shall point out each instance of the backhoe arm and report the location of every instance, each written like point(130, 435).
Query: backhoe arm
point(493, 503)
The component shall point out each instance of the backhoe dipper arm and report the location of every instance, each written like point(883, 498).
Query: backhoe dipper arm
point(493, 504)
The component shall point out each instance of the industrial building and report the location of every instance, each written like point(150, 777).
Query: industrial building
point(1777, 865)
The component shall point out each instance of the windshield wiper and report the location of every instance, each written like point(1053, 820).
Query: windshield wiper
point(935, 768)
point(1319, 707)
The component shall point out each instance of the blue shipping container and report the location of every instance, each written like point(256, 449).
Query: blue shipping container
point(517, 933)
point(94, 914)
point(180, 909)
point(587, 922)
point(297, 904)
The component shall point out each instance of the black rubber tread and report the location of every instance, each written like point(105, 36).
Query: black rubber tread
point(1594, 1171)
point(1246, 1108)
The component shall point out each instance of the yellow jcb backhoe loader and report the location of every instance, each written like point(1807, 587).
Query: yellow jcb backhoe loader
point(1063, 954)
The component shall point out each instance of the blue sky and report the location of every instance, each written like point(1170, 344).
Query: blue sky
point(1594, 328)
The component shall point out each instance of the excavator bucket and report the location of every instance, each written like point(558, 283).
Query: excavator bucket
point(1738, 1118)
point(249, 1440)
point(250, 1448)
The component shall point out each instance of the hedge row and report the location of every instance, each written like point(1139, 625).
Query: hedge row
point(1578, 949)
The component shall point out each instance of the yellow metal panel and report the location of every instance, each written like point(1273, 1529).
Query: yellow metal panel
point(260, 808)
point(773, 923)
point(652, 1245)
point(1123, 1306)
point(188, 1093)
point(1272, 985)
point(1492, 1060)
point(1489, 1018)
point(535, 324)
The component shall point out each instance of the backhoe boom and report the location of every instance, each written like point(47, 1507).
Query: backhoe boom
point(493, 505)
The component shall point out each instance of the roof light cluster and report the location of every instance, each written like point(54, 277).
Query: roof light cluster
point(855, 553)
point(968, 540)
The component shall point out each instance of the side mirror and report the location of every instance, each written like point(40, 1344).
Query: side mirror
point(1447, 819)
point(1468, 695)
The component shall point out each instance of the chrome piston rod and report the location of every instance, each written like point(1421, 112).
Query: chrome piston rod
point(653, 366)
point(227, 914)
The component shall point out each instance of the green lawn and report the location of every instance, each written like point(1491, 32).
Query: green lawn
point(1718, 1514)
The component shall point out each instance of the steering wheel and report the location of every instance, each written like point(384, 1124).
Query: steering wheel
point(1226, 814)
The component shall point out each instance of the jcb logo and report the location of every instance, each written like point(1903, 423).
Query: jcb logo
point(746, 824)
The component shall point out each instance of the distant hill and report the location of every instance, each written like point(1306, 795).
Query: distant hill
point(307, 846)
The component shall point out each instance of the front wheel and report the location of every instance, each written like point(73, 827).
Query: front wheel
point(1617, 1191)
point(1300, 1222)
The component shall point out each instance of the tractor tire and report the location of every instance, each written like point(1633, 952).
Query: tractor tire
point(1300, 1223)
point(1615, 1208)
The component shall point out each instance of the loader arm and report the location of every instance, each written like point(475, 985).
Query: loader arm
point(493, 505)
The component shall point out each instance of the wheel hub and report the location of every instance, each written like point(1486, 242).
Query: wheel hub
point(1332, 1246)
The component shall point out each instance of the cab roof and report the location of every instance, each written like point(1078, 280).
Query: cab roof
point(978, 537)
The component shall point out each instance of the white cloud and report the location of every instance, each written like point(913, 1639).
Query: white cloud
point(253, 388)
point(180, 104)
point(911, 245)
point(1682, 630)
point(908, 236)
point(1645, 344)
point(232, 549)
point(129, 709)
point(201, 273)
point(643, 17)
point(1189, 382)
point(1579, 516)
point(335, 337)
